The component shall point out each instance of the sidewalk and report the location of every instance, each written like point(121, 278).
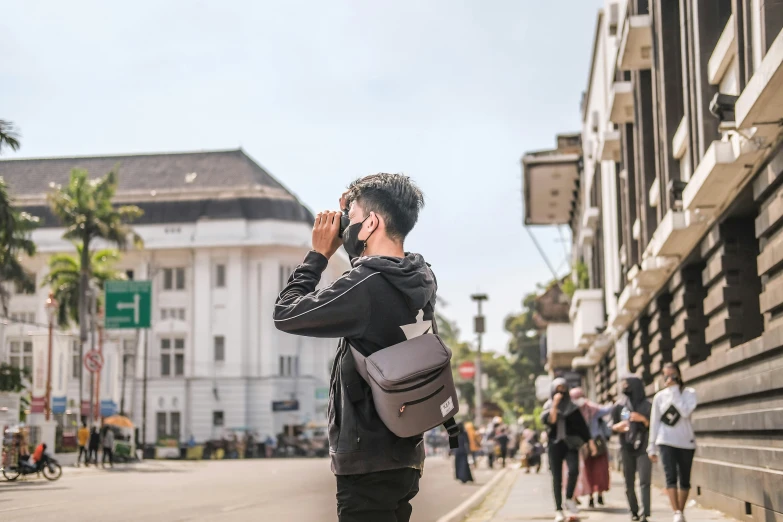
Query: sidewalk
point(529, 497)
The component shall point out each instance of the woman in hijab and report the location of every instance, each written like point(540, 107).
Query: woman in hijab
point(568, 432)
point(595, 479)
point(461, 465)
point(631, 418)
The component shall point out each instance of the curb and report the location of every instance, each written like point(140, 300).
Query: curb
point(461, 511)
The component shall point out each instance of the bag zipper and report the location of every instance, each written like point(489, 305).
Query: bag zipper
point(410, 388)
point(417, 401)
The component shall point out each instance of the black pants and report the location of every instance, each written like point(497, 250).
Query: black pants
point(677, 463)
point(378, 497)
point(557, 454)
point(107, 452)
point(633, 463)
point(83, 452)
point(503, 453)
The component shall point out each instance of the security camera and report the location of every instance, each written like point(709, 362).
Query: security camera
point(722, 106)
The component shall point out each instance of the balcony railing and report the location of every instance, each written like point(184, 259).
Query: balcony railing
point(621, 108)
point(635, 51)
point(587, 316)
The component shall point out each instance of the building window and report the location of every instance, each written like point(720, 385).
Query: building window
point(220, 276)
point(128, 356)
point(23, 317)
point(21, 355)
point(161, 425)
point(220, 348)
point(129, 274)
point(76, 360)
point(172, 313)
point(172, 357)
point(174, 278)
point(168, 425)
point(288, 366)
point(174, 422)
point(217, 419)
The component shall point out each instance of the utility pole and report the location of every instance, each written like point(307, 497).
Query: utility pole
point(479, 328)
point(93, 303)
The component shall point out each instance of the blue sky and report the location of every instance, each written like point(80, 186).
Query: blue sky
point(449, 92)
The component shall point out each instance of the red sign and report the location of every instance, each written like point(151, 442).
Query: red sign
point(37, 405)
point(467, 370)
point(93, 361)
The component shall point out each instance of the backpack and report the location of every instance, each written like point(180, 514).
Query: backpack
point(412, 386)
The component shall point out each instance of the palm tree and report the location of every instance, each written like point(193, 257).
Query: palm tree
point(64, 279)
point(9, 137)
point(85, 208)
point(15, 230)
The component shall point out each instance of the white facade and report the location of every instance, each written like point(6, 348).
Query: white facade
point(216, 361)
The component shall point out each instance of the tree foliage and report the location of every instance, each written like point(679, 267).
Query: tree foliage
point(85, 207)
point(15, 230)
point(64, 276)
point(12, 379)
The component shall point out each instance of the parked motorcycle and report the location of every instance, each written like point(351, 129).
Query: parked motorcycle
point(51, 470)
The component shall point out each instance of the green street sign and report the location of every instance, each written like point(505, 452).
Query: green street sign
point(128, 304)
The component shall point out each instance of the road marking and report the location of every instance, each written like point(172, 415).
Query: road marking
point(28, 506)
point(229, 509)
point(459, 512)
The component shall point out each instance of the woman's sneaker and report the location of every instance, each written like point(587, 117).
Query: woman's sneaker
point(678, 517)
point(571, 506)
point(560, 516)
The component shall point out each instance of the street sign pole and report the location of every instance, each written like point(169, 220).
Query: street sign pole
point(480, 328)
point(129, 306)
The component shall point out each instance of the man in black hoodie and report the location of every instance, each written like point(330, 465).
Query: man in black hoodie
point(631, 419)
point(387, 298)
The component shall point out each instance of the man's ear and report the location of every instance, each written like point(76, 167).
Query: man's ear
point(375, 218)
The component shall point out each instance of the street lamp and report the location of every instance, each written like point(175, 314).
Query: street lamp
point(479, 328)
point(51, 312)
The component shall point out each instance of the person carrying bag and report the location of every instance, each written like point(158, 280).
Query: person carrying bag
point(672, 436)
point(568, 432)
point(631, 418)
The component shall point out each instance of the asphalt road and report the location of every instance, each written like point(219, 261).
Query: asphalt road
point(240, 490)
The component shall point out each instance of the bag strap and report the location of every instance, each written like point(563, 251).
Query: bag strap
point(350, 373)
point(354, 365)
point(453, 429)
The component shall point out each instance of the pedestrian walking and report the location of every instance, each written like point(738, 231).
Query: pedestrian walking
point(475, 446)
point(532, 450)
point(596, 467)
point(95, 443)
point(387, 298)
point(83, 438)
point(631, 418)
point(672, 436)
point(568, 432)
point(461, 465)
point(501, 439)
point(108, 447)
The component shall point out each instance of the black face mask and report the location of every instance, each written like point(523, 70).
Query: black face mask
point(353, 245)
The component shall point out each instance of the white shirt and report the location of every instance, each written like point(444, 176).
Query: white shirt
point(681, 434)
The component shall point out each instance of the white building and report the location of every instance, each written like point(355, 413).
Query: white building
point(220, 238)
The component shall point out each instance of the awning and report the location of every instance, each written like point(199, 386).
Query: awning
point(550, 186)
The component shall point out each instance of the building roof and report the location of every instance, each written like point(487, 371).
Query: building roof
point(169, 187)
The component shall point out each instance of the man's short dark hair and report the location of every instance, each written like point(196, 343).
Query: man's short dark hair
point(393, 196)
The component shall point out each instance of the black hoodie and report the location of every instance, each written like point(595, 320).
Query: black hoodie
point(382, 301)
point(634, 399)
